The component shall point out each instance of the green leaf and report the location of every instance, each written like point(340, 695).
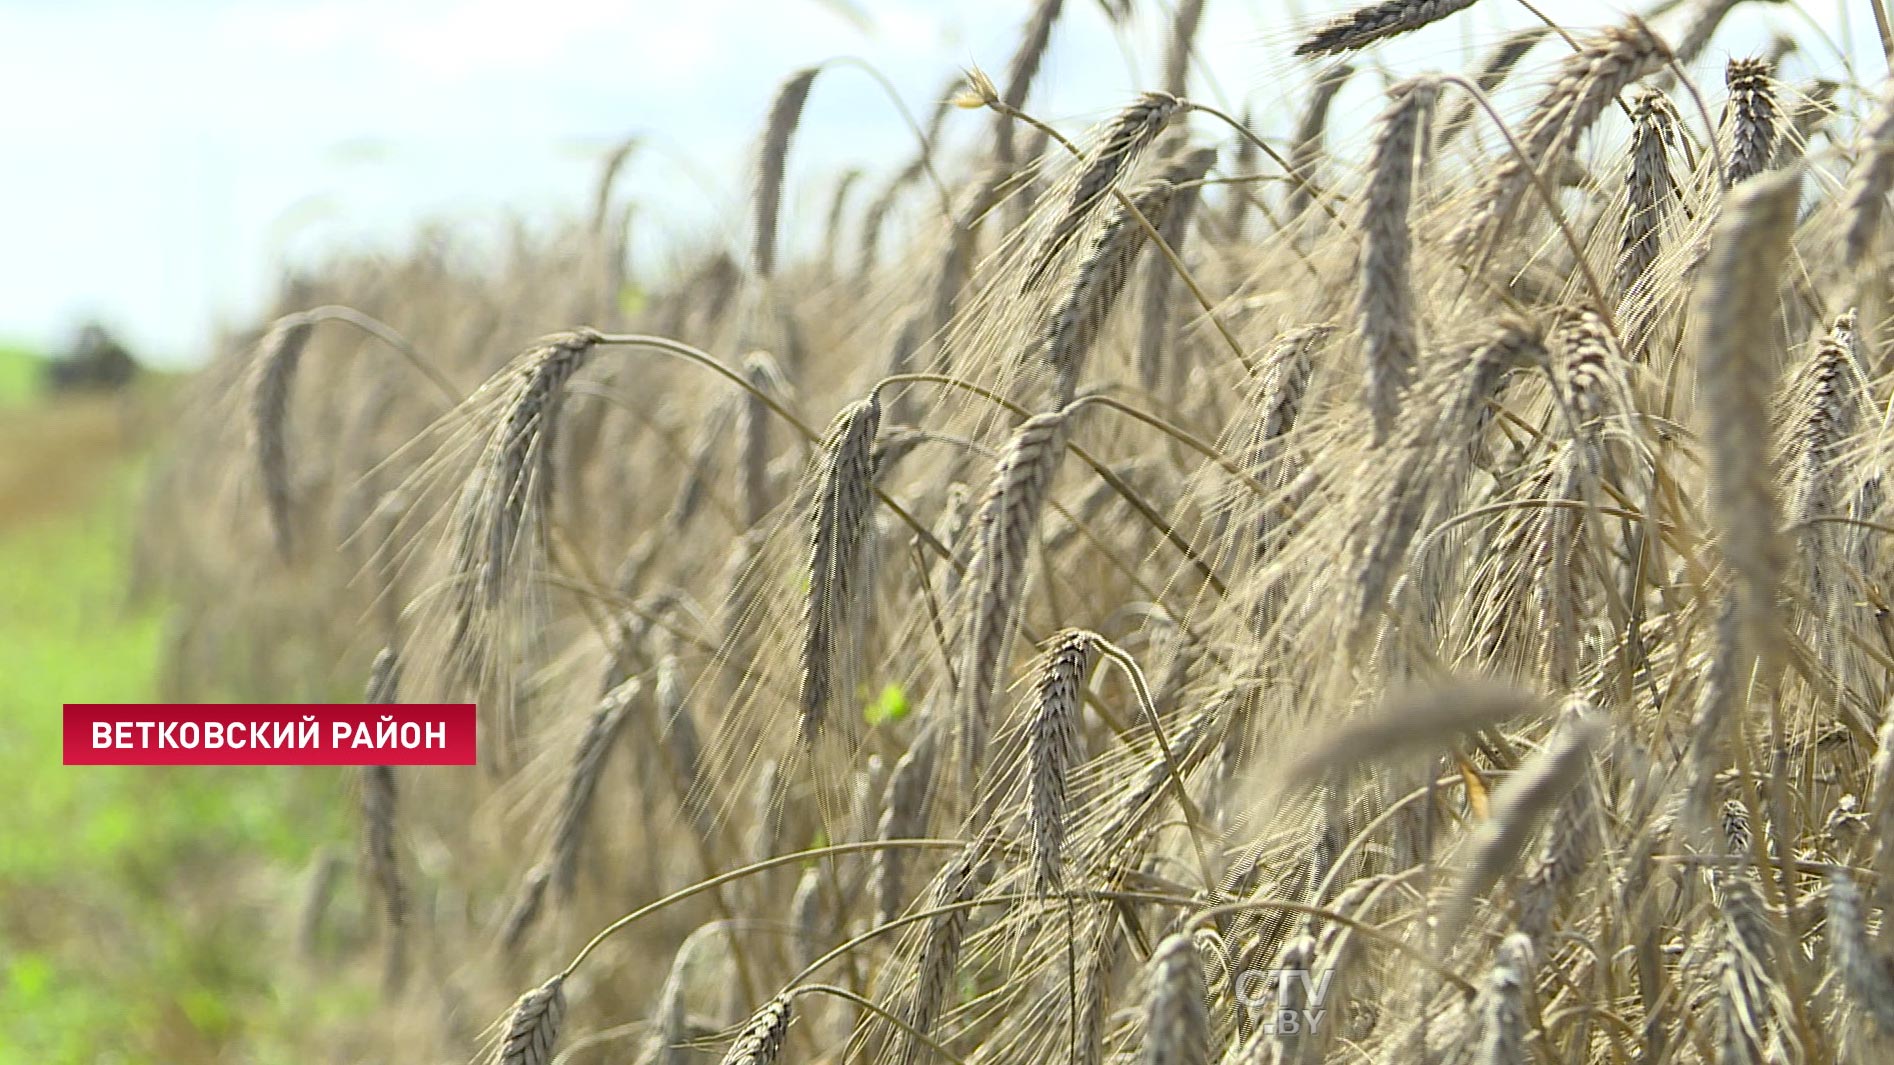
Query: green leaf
point(890, 705)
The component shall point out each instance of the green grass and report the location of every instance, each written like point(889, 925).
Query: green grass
point(19, 374)
point(141, 909)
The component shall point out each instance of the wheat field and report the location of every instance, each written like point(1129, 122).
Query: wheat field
point(1415, 588)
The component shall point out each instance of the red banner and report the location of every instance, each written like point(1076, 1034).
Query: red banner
point(270, 734)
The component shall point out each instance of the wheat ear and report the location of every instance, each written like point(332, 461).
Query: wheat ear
point(1703, 26)
point(278, 357)
point(1650, 190)
point(1124, 140)
point(1736, 358)
point(532, 1027)
point(1366, 25)
point(501, 506)
point(1080, 316)
point(1015, 498)
point(1873, 173)
point(785, 114)
point(1500, 1009)
point(1587, 83)
point(1305, 155)
point(940, 949)
point(1054, 750)
point(839, 533)
point(379, 806)
point(1155, 331)
point(905, 805)
point(1021, 70)
point(1176, 1021)
point(1518, 806)
point(1754, 118)
point(1865, 975)
point(588, 763)
point(1411, 722)
point(1493, 72)
point(1384, 295)
point(1177, 48)
point(762, 1040)
point(526, 909)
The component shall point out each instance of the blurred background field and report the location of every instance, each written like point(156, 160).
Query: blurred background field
point(140, 908)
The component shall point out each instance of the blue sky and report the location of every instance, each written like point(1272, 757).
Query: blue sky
point(159, 160)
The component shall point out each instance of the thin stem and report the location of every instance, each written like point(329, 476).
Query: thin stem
point(1882, 27)
point(1545, 194)
point(1555, 27)
point(1314, 194)
point(711, 363)
point(1183, 272)
point(748, 870)
point(1091, 895)
point(1150, 514)
point(1703, 112)
point(385, 333)
point(1527, 504)
point(953, 382)
point(877, 1010)
point(1001, 106)
point(920, 135)
point(1191, 814)
point(1371, 932)
point(1182, 436)
point(1117, 483)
